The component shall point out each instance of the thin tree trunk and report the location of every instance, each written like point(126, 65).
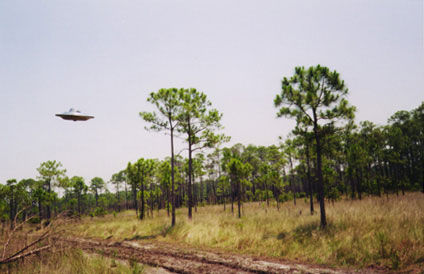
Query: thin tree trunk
point(232, 202)
point(142, 200)
point(172, 173)
point(319, 173)
point(134, 191)
point(190, 172)
point(311, 195)
point(126, 196)
point(48, 205)
point(195, 194)
point(239, 199)
point(79, 203)
point(96, 195)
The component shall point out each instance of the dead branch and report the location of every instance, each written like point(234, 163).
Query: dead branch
point(42, 237)
point(45, 235)
point(11, 259)
point(15, 227)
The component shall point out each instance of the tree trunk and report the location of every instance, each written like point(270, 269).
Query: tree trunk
point(311, 199)
point(292, 184)
point(49, 189)
point(167, 201)
point(134, 191)
point(142, 200)
point(11, 209)
point(232, 202)
point(126, 196)
point(119, 198)
point(422, 173)
point(190, 171)
point(172, 170)
point(195, 195)
point(96, 195)
point(239, 199)
point(319, 173)
point(79, 203)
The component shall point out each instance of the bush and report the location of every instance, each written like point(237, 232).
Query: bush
point(286, 196)
point(99, 211)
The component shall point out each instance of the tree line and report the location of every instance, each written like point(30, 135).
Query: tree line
point(326, 156)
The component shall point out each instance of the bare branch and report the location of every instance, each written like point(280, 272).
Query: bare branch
point(13, 231)
point(12, 259)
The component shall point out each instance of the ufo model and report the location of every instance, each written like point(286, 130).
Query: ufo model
point(74, 115)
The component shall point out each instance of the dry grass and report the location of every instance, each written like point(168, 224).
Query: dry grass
point(374, 231)
point(72, 261)
point(56, 258)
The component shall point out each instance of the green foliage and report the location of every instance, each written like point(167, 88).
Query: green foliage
point(51, 171)
point(315, 97)
point(285, 196)
point(99, 211)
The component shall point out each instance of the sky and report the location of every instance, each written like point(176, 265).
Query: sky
point(104, 57)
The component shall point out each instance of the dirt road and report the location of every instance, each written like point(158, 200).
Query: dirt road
point(187, 260)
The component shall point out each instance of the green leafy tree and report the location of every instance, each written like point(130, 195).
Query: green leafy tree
point(79, 189)
point(304, 141)
point(223, 188)
point(51, 173)
point(168, 107)
point(117, 179)
point(227, 154)
point(11, 197)
point(276, 162)
point(145, 169)
point(164, 177)
point(418, 141)
point(239, 172)
point(290, 151)
point(198, 121)
point(96, 185)
point(132, 177)
point(315, 97)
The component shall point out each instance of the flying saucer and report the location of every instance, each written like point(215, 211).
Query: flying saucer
point(74, 115)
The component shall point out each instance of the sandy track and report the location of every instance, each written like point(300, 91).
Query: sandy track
point(180, 260)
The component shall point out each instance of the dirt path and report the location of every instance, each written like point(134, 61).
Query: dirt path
point(177, 260)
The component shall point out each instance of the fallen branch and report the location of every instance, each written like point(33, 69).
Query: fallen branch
point(42, 237)
point(49, 230)
point(14, 258)
point(15, 227)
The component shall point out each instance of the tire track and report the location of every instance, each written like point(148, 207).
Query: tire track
point(189, 260)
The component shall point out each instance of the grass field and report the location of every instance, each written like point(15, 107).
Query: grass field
point(386, 232)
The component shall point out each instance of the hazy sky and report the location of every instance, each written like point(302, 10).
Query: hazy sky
point(105, 57)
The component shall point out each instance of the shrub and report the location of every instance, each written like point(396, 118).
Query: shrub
point(99, 211)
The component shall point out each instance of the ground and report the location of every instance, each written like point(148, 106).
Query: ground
point(182, 259)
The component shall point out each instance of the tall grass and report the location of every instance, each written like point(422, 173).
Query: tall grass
point(386, 232)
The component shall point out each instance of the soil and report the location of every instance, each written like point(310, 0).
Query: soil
point(180, 259)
